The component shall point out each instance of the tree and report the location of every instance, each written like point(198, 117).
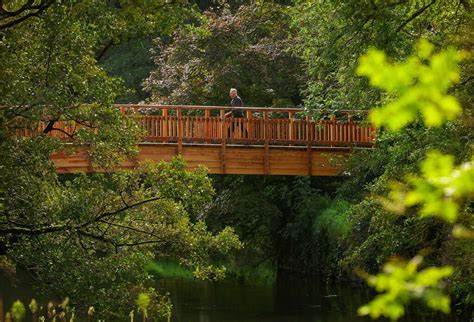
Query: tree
point(89, 236)
point(416, 87)
point(248, 50)
point(15, 12)
point(132, 62)
point(331, 36)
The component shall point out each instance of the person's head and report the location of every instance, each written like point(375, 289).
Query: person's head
point(233, 92)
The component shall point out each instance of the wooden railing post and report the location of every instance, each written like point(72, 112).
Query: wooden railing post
point(309, 149)
point(266, 137)
point(207, 124)
point(333, 129)
point(290, 125)
point(164, 124)
point(350, 131)
point(248, 126)
point(223, 141)
point(180, 130)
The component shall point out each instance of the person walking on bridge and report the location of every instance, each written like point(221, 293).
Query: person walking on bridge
point(236, 113)
point(235, 102)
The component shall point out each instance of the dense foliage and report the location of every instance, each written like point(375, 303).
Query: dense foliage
point(443, 190)
point(333, 237)
point(72, 232)
point(131, 61)
point(332, 35)
point(89, 236)
point(248, 49)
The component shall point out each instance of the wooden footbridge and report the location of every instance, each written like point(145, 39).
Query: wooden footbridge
point(270, 141)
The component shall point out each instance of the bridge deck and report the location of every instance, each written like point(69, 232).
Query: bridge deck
point(275, 141)
point(279, 160)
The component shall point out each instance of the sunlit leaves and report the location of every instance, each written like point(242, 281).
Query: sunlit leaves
point(462, 232)
point(143, 301)
point(18, 311)
point(206, 246)
point(106, 226)
point(418, 85)
point(112, 226)
point(331, 35)
point(400, 281)
point(52, 61)
point(439, 189)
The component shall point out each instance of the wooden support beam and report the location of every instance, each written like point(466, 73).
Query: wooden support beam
point(179, 112)
point(350, 131)
point(207, 124)
point(223, 141)
point(309, 138)
point(291, 116)
point(238, 159)
point(90, 168)
point(248, 125)
point(164, 124)
point(266, 157)
point(333, 129)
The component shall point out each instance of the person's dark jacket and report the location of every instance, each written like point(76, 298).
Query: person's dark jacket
point(237, 102)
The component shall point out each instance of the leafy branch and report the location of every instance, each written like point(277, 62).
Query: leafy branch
point(29, 9)
point(418, 86)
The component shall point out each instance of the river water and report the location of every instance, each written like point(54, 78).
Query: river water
point(287, 300)
point(290, 300)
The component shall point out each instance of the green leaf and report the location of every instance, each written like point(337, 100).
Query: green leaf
point(416, 86)
point(18, 311)
point(399, 282)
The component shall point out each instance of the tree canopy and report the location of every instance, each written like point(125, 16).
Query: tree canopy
point(90, 236)
point(332, 35)
point(248, 49)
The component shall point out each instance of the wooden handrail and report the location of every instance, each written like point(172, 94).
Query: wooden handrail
point(229, 108)
point(282, 128)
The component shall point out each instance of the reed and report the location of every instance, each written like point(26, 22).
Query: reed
point(62, 312)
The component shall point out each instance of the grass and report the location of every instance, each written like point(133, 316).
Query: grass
point(169, 269)
point(263, 273)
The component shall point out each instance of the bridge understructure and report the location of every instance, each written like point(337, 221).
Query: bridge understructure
point(266, 141)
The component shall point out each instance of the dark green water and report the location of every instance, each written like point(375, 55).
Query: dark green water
point(288, 300)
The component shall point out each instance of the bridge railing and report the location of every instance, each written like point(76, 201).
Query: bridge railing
point(260, 126)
